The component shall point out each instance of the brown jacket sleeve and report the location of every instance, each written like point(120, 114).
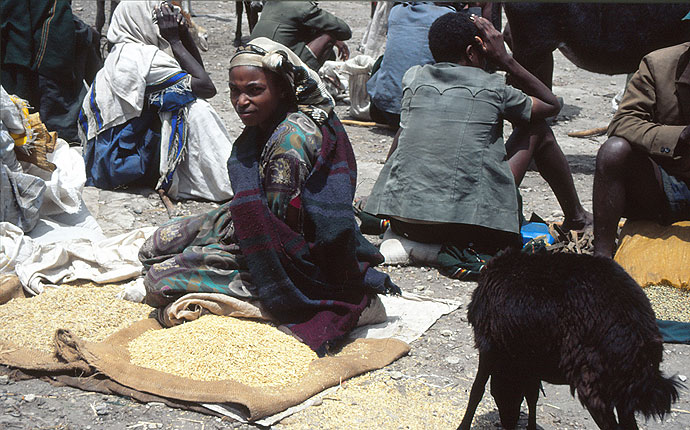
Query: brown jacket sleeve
point(636, 121)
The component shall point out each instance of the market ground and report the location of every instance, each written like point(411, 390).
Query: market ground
point(442, 362)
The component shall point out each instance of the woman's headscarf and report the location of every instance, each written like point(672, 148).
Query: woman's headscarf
point(132, 22)
point(310, 93)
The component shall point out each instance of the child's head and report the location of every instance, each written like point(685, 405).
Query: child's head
point(450, 36)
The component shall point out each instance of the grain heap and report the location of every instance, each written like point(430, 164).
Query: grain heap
point(669, 303)
point(376, 401)
point(215, 348)
point(91, 312)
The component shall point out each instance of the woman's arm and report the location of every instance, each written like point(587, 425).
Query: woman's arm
point(170, 25)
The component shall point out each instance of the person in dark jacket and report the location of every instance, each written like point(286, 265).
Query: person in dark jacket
point(45, 55)
point(309, 31)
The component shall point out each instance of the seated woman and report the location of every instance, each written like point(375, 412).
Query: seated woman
point(288, 242)
point(143, 120)
point(450, 179)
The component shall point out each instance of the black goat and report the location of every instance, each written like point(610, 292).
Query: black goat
point(567, 319)
point(606, 38)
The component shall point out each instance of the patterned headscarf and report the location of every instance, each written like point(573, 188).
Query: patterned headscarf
point(310, 92)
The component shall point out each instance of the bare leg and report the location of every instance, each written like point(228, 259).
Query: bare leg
point(537, 141)
point(626, 182)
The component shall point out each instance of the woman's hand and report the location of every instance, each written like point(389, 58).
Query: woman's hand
point(170, 23)
point(491, 41)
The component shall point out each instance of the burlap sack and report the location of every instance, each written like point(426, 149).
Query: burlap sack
point(655, 254)
point(111, 358)
point(29, 358)
point(193, 305)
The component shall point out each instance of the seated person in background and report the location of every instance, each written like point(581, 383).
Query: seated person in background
point(643, 169)
point(288, 242)
point(143, 120)
point(47, 53)
point(407, 45)
point(309, 31)
point(450, 179)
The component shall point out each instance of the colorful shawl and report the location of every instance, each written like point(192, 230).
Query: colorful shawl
point(318, 282)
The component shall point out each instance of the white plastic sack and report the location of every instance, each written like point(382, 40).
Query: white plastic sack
point(65, 184)
point(358, 70)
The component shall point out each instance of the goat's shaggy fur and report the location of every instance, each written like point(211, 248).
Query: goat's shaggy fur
point(567, 319)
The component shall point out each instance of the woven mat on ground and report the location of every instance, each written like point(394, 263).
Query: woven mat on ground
point(112, 359)
point(105, 367)
point(654, 254)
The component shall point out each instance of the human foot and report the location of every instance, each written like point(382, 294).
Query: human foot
point(583, 222)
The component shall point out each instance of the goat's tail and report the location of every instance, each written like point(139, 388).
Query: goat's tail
point(651, 396)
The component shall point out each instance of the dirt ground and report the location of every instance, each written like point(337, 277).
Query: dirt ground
point(443, 359)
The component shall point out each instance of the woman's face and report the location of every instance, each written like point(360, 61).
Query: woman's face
point(256, 95)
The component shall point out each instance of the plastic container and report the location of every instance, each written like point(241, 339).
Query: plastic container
point(533, 230)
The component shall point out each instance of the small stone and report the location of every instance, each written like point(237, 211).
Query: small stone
point(29, 398)
point(395, 375)
point(682, 378)
point(453, 359)
point(4, 380)
point(446, 333)
point(101, 409)
point(137, 209)
point(420, 287)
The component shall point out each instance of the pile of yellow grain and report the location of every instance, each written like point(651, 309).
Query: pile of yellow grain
point(669, 303)
point(377, 402)
point(91, 312)
point(215, 348)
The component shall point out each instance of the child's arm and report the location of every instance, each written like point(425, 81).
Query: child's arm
point(544, 103)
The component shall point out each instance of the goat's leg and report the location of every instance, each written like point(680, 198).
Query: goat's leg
point(627, 421)
point(477, 392)
point(100, 15)
point(532, 395)
point(113, 5)
point(239, 6)
point(252, 15)
point(605, 419)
